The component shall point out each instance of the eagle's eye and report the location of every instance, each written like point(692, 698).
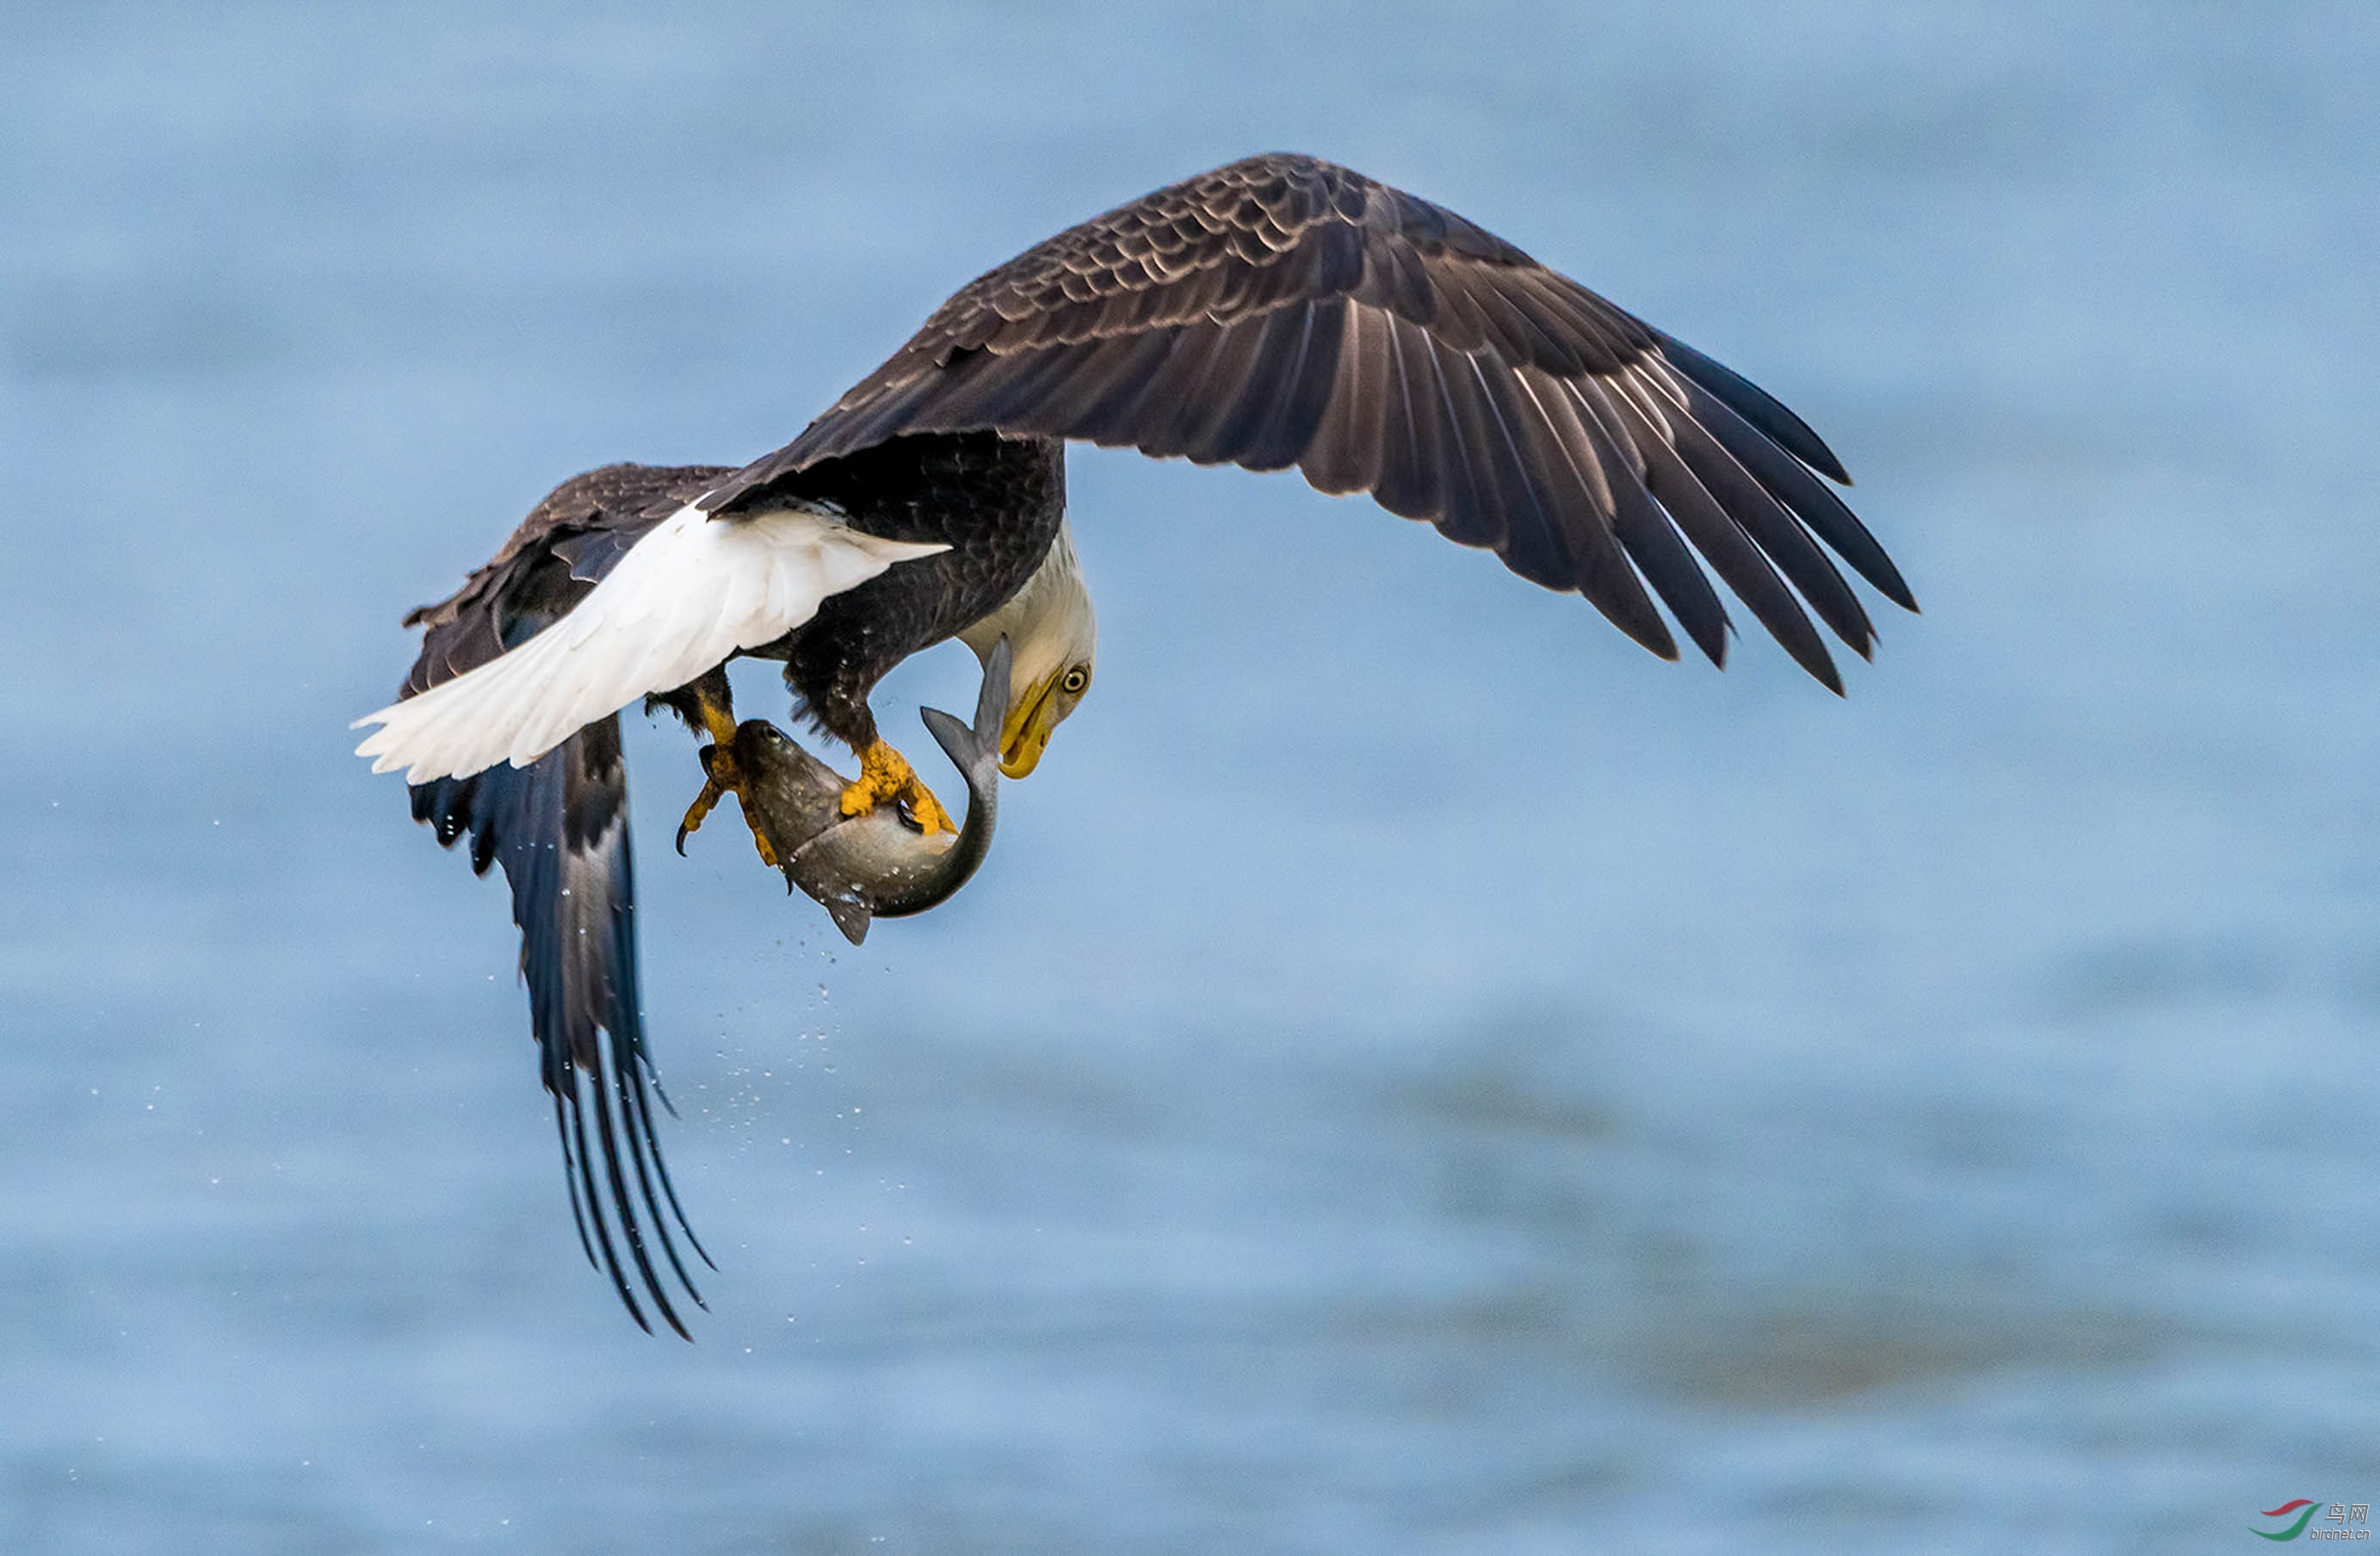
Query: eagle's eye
point(1074, 681)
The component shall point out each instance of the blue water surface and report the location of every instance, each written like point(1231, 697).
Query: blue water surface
point(1417, 1074)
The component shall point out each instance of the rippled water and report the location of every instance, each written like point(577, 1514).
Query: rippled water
point(1417, 1074)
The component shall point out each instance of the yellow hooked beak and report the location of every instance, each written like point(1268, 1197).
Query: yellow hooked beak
point(1024, 734)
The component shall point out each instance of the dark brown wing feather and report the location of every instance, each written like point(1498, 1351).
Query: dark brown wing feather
point(1283, 311)
point(559, 827)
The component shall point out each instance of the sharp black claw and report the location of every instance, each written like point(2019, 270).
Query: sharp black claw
point(713, 792)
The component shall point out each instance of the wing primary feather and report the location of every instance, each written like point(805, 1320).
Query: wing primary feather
point(644, 1146)
point(630, 1085)
point(621, 1204)
point(1731, 553)
point(1777, 532)
point(1811, 498)
point(570, 1178)
point(1756, 406)
point(661, 1170)
point(626, 1088)
point(1579, 501)
point(1687, 451)
point(610, 1265)
point(1646, 532)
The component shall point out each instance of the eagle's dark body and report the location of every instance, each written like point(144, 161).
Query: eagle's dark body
point(995, 501)
point(1276, 311)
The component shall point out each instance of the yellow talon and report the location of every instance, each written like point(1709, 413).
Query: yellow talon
point(724, 776)
point(885, 773)
point(720, 724)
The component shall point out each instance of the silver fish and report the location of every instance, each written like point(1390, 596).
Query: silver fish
point(879, 865)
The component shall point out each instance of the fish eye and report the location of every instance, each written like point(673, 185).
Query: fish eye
point(1074, 681)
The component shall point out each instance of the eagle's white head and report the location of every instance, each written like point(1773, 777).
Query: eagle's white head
point(1053, 640)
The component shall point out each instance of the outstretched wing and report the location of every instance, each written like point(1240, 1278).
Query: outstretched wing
point(1282, 310)
point(559, 827)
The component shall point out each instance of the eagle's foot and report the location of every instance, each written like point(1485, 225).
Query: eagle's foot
point(724, 775)
point(885, 773)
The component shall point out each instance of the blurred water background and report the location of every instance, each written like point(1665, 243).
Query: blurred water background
point(1417, 1074)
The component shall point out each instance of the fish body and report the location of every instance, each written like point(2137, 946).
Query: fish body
point(878, 864)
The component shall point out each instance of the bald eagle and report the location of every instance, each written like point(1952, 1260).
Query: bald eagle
point(1279, 311)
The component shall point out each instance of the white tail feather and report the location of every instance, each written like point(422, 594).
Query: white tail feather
point(684, 597)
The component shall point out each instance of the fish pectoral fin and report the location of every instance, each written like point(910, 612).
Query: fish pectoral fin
point(849, 917)
point(885, 773)
point(724, 775)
